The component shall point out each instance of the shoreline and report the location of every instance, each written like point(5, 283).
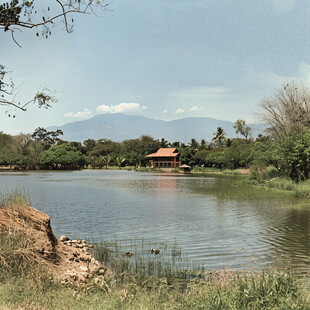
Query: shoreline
point(157, 285)
point(298, 190)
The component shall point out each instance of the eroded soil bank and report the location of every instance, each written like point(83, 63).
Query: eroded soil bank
point(68, 260)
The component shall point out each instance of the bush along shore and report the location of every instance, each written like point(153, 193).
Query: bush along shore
point(39, 271)
point(272, 181)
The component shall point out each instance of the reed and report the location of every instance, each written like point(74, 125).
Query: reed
point(15, 200)
point(143, 264)
point(159, 282)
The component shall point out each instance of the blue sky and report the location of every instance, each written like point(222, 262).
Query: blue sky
point(164, 59)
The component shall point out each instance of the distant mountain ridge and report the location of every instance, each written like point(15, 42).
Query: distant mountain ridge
point(119, 127)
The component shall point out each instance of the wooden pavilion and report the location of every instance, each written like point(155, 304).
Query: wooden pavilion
point(165, 158)
point(185, 168)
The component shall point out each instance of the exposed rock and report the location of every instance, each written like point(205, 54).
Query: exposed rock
point(63, 238)
point(83, 268)
point(67, 259)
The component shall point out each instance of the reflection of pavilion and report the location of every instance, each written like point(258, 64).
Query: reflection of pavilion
point(165, 158)
point(166, 184)
point(166, 196)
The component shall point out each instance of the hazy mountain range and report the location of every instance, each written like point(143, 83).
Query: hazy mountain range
point(119, 127)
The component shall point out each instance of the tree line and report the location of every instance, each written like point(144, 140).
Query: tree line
point(46, 150)
point(284, 146)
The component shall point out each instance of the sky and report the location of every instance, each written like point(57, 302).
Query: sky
point(163, 59)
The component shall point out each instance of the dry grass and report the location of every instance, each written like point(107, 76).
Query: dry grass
point(16, 254)
point(15, 200)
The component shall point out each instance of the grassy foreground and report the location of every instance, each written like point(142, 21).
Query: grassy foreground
point(141, 281)
point(24, 284)
point(265, 291)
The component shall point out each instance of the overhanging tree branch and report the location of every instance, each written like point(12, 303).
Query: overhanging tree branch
point(18, 14)
point(24, 14)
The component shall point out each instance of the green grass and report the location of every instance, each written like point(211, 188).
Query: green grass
point(299, 190)
point(213, 170)
point(148, 169)
point(280, 185)
point(144, 266)
point(269, 179)
point(142, 281)
point(129, 168)
point(223, 290)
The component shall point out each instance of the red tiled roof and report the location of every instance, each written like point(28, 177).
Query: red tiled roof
point(165, 152)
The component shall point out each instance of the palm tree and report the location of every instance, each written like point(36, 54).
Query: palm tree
point(219, 136)
point(119, 161)
point(100, 162)
point(194, 145)
point(203, 144)
point(93, 161)
point(106, 160)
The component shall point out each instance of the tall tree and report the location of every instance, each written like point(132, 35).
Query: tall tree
point(243, 129)
point(48, 138)
point(194, 144)
point(107, 159)
point(203, 144)
point(287, 111)
point(119, 161)
point(219, 136)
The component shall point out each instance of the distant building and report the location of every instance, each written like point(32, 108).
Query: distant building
point(185, 168)
point(165, 158)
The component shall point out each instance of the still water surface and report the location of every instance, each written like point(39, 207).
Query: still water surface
point(214, 222)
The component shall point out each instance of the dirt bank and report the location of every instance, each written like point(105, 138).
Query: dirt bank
point(69, 260)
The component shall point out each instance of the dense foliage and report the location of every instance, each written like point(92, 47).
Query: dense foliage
point(45, 150)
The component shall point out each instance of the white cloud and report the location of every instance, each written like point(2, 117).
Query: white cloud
point(120, 108)
point(83, 114)
point(194, 108)
point(196, 98)
point(236, 99)
point(179, 111)
point(165, 111)
point(283, 6)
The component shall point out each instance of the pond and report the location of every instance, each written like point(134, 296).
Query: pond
point(215, 223)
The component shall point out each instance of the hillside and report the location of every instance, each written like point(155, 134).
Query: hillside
point(118, 127)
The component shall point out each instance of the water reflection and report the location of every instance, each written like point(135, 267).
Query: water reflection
point(215, 222)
